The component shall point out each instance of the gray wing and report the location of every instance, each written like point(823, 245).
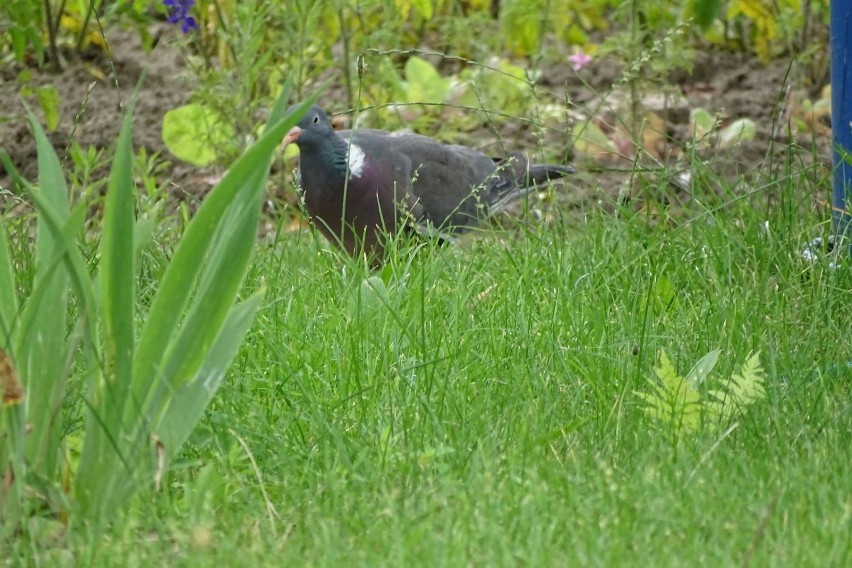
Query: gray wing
point(450, 188)
point(449, 184)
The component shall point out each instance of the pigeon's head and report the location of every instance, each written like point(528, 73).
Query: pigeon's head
point(312, 129)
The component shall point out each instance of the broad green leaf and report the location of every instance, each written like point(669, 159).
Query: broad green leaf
point(591, 141)
point(51, 179)
point(505, 87)
point(66, 247)
point(701, 122)
point(742, 130)
point(705, 12)
point(65, 255)
point(215, 249)
point(423, 82)
point(424, 8)
point(279, 109)
point(699, 373)
point(193, 131)
point(665, 295)
point(19, 43)
point(520, 24)
point(244, 183)
point(143, 230)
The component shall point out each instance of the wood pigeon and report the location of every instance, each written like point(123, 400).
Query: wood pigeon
point(359, 187)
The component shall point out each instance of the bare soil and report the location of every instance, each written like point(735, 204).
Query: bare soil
point(94, 89)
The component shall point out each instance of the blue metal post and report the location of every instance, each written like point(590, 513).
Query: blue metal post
point(841, 111)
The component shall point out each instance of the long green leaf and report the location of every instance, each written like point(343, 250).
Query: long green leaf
point(51, 179)
point(43, 346)
point(186, 264)
point(65, 248)
point(41, 353)
point(221, 280)
point(111, 383)
point(10, 424)
point(8, 297)
point(44, 285)
point(187, 405)
point(117, 275)
point(223, 231)
point(143, 230)
point(64, 233)
point(279, 109)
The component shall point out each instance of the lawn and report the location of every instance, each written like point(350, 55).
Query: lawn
point(481, 408)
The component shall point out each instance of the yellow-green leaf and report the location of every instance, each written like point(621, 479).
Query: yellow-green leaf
point(192, 133)
point(424, 83)
point(424, 8)
point(48, 98)
point(738, 131)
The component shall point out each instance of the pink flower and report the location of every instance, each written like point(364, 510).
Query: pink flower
point(579, 59)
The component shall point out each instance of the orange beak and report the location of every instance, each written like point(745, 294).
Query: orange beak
point(291, 136)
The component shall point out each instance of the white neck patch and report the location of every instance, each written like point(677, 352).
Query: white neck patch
point(357, 160)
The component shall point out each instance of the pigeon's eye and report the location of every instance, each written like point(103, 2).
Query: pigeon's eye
point(316, 119)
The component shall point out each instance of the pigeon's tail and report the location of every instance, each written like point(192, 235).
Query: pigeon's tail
point(539, 174)
point(515, 177)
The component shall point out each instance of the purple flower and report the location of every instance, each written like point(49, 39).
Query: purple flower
point(179, 13)
point(579, 59)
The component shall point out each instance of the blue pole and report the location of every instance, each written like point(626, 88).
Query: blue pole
point(841, 111)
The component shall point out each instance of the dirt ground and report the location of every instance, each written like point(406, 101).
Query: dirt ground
point(733, 85)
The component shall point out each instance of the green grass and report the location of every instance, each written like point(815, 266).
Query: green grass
point(482, 411)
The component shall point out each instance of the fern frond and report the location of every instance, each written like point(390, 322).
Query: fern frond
point(673, 399)
point(741, 391)
point(748, 385)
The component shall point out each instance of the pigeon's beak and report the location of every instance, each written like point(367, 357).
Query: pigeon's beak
point(291, 136)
